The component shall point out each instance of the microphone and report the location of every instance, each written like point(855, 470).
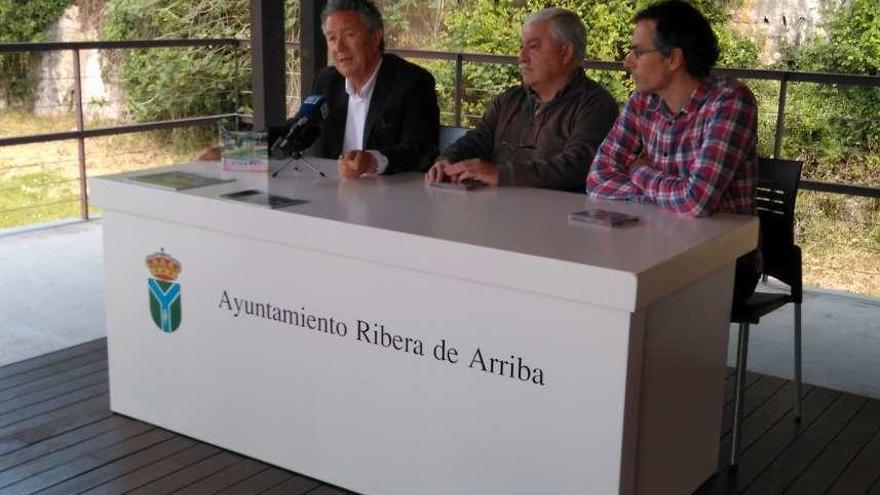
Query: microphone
point(303, 129)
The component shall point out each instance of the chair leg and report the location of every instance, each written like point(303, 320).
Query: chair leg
point(742, 352)
point(797, 362)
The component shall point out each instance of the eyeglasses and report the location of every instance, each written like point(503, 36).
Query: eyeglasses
point(638, 52)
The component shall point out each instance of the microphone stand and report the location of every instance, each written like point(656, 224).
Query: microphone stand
point(297, 155)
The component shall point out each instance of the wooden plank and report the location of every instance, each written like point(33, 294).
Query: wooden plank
point(330, 490)
point(757, 424)
point(792, 462)
point(754, 460)
point(59, 442)
point(55, 440)
point(52, 358)
point(260, 482)
point(139, 469)
point(185, 477)
point(54, 423)
point(69, 452)
point(297, 485)
point(246, 469)
point(45, 394)
point(862, 473)
point(857, 443)
point(98, 458)
point(51, 369)
point(730, 386)
point(756, 395)
point(50, 381)
point(36, 410)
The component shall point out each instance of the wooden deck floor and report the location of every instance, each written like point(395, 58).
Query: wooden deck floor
point(58, 436)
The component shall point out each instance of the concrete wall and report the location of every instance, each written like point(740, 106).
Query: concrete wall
point(776, 21)
point(102, 98)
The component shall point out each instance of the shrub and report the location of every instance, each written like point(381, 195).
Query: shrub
point(24, 21)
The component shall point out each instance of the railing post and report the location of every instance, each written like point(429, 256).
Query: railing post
point(459, 87)
point(780, 115)
point(236, 97)
point(80, 140)
point(268, 55)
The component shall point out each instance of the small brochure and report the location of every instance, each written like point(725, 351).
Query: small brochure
point(605, 218)
point(244, 151)
point(176, 180)
point(465, 185)
point(260, 198)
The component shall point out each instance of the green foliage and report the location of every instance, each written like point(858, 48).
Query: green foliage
point(493, 26)
point(835, 128)
point(23, 21)
point(852, 45)
point(171, 83)
point(37, 198)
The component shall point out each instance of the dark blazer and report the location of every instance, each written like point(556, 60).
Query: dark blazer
point(402, 122)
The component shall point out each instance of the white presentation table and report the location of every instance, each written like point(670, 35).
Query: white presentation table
point(393, 338)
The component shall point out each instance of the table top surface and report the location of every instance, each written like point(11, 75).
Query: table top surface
point(523, 221)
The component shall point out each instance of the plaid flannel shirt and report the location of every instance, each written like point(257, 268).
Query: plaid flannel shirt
point(702, 160)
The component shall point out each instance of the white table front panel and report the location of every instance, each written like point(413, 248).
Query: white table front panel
point(365, 417)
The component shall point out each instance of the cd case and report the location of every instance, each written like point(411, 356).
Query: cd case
point(260, 198)
point(465, 185)
point(177, 181)
point(602, 217)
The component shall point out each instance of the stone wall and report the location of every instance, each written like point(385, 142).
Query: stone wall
point(102, 97)
point(774, 23)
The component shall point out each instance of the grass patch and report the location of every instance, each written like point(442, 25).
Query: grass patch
point(39, 183)
point(840, 239)
point(37, 198)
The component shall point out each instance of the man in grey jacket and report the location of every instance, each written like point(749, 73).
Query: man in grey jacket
point(545, 132)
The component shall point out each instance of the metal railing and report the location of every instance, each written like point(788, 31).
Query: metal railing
point(80, 134)
point(783, 77)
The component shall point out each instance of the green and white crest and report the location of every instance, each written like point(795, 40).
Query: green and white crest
point(165, 307)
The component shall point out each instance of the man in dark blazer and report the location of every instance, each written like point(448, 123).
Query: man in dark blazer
point(384, 116)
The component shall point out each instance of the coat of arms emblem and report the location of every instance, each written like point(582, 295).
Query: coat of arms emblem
point(164, 291)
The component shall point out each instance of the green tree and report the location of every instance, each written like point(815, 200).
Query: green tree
point(167, 83)
point(835, 127)
point(24, 21)
point(493, 26)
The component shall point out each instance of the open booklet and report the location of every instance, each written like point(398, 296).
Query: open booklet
point(176, 180)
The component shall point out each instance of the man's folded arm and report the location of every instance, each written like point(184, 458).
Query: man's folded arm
point(608, 177)
point(728, 135)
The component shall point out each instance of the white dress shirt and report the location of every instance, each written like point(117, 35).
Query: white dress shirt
point(355, 121)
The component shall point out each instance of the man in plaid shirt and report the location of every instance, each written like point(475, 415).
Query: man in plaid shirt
point(686, 140)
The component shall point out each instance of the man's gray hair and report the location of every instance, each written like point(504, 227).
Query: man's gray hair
point(366, 9)
point(565, 26)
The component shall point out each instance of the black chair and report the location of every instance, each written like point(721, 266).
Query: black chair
point(777, 191)
point(449, 135)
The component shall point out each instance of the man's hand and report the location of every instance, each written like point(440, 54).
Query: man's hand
point(211, 154)
point(437, 172)
point(475, 168)
point(355, 163)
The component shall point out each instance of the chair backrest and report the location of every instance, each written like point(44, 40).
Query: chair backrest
point(778, 182)
point(449, 135)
